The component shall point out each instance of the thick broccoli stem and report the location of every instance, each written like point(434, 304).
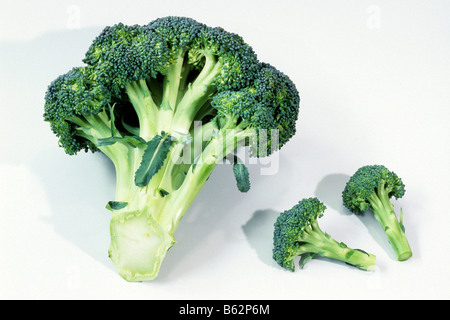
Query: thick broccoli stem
point(315, 241)
point(138, 244)
point(142, 234)
point(384, 213)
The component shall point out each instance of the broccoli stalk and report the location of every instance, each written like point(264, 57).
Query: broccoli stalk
point(297, 233)
point(167, 102)
point(383, 211)
point(372, 187)
point(142, 231)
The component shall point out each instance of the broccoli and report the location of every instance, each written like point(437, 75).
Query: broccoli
point(371, 187)
point(167, 102)
point(297, 233)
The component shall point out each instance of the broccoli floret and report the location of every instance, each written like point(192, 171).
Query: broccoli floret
point(166, 102)
point(297, 233)
point(372, 187)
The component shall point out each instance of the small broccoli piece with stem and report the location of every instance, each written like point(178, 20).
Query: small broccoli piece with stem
point(297, 233)
point(372, 187)
point(167, 102)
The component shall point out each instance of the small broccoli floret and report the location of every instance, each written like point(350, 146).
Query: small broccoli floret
point(297, 233)
point(75, 107)
point(372, 187)
point(268, 107)
point(166, 102)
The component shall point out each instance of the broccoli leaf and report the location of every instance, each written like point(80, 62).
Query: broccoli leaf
point(134, 141)
point(306, 257)
point(241, 174)
point(154, 156)
point(163, 192)
point(116, 205)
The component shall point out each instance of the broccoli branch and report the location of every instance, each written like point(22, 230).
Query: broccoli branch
point(384, 213)
point(315, 242)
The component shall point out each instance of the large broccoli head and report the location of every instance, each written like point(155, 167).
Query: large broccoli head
point(166, 102)
point(197, 72)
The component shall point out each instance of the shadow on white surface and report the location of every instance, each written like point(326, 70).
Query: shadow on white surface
point(77, 190)
point(71, 185)
point(329, 191)
point(259, 233)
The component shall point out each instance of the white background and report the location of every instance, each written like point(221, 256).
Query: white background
point(374, 83)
